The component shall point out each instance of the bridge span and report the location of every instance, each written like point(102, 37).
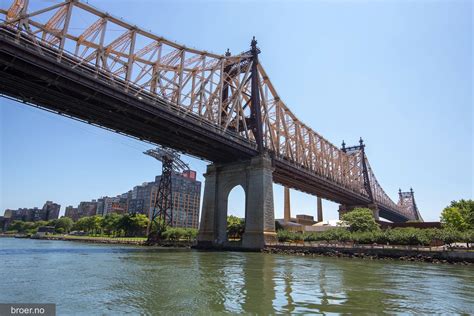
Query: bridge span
point(221, 108)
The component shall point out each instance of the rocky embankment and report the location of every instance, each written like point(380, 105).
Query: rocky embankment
point(436, 257)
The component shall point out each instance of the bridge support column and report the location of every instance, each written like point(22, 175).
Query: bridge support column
point(343, 209)
point(320, 210)
point(287, 206)
point(255, 176)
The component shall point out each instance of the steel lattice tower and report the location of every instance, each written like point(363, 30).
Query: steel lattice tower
point(162, 214)
point(163, 208)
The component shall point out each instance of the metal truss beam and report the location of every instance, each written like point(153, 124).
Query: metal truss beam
point(217, 107)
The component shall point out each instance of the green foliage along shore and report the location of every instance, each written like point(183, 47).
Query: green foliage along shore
point(361, 228)
point(397, 236)
point(459, 215)
point(360, 220)
point(110, 225)
point(235, 227)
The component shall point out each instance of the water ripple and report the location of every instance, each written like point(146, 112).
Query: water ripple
point(112, 279)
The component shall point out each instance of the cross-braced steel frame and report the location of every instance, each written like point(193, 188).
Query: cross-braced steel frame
point(229, 96)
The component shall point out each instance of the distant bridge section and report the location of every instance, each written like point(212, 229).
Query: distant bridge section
point(77, 61)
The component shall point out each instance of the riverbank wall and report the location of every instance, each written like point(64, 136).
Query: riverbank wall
point(109, 240)
point(416, 255)
point(96, 240)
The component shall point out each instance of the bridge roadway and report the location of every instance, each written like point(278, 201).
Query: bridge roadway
point(84, 94)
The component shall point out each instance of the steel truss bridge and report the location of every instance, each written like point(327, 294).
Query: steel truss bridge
point(75, 60)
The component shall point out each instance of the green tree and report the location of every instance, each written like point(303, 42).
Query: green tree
point(40, 223)
point(18, 226)
point(173, 233)
point(133, 224)
point(190, 233)
point(466, 208)
point(468, 237)
point(450, 235)
point(453, 218)
point(90, 224)
point(63, 225)
point(360, 220)
point(95, 223)
point(235, 227)
point(81, 224)
point(25, 227)
point(110, 224)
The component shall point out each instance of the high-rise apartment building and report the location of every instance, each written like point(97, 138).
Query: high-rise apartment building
point(186, 191)
point(49, 211)
point(87, 208)
point(72, 213)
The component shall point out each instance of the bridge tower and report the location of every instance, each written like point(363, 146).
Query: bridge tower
point(360, 151)
point(406, 201)
point(254, 175)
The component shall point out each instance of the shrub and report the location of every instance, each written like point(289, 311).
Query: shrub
point(63, 225)
point(407, 236)
point(235, 227)
point(397, 236)
point(380, 237)
point(175, 234)
point(337, 234)
point(190, 233)
point(285, 235)
point(172, 233)
point(363, 237)
point(450, 235)
point(468, 237)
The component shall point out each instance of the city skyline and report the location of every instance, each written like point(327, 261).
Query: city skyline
point(404, 107)
point(186, 193)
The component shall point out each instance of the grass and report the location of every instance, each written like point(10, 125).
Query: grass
point(105, 238)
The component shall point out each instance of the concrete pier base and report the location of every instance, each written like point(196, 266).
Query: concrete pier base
point(255, 177)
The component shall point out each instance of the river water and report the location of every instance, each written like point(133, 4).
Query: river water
point(92, 279)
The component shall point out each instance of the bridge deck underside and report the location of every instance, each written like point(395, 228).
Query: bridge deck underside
point(300, 179)
point(57, 87)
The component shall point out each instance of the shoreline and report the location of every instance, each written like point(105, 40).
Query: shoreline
point(108, 240)
point(435, 257)
point(463, 257)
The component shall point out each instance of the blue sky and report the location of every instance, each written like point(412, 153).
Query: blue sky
point(397, 73)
